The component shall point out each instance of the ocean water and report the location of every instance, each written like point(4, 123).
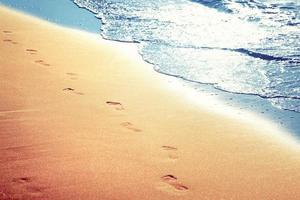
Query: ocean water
point(62, 12)
point(239, 46)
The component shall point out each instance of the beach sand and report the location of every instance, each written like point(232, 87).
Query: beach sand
point(85, 118)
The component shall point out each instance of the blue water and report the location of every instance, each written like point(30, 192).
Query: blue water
point(247, 52)
point(248, 47)
point(62, 12)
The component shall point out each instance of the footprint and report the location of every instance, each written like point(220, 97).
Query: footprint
point(173, 181)
point(68, 89)
point(130, 126)
point(32, 51)
point(72, 75)
point(116, 105)
point(5, 31)
point(28, 181)
point(73, 90)
point(27, 188)
point(169, 178)
point(172, 152)
point(22, 180)
point(169, 148)
point(41, 62)
point(9, 41)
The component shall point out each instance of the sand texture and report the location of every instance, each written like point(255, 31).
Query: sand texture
point(85, 118)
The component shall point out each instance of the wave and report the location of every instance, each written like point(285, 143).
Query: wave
point(246, 47)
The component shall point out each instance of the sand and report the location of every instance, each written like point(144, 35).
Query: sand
point(85, 118)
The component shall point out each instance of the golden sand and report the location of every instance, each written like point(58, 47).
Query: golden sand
point(85, 118)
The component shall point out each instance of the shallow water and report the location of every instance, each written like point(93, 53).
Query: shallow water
point(248, 47)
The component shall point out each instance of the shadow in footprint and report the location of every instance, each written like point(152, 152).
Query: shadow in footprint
point(173, 181)
point(130, 126)
point(73, 91)
point(41, 62)
point(68, 89)
point(28, 188)
point(32, 51)
point(5, 31)
point(169, 178)
point(9, 41)
point(116, 105)
point(22, 180)
point(169, 148)
point(172, 151)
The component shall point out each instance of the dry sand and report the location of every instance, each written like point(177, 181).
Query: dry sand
point(85, 118)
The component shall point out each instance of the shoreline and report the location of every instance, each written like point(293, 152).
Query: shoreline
point(83, 119)
point(85, 20)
